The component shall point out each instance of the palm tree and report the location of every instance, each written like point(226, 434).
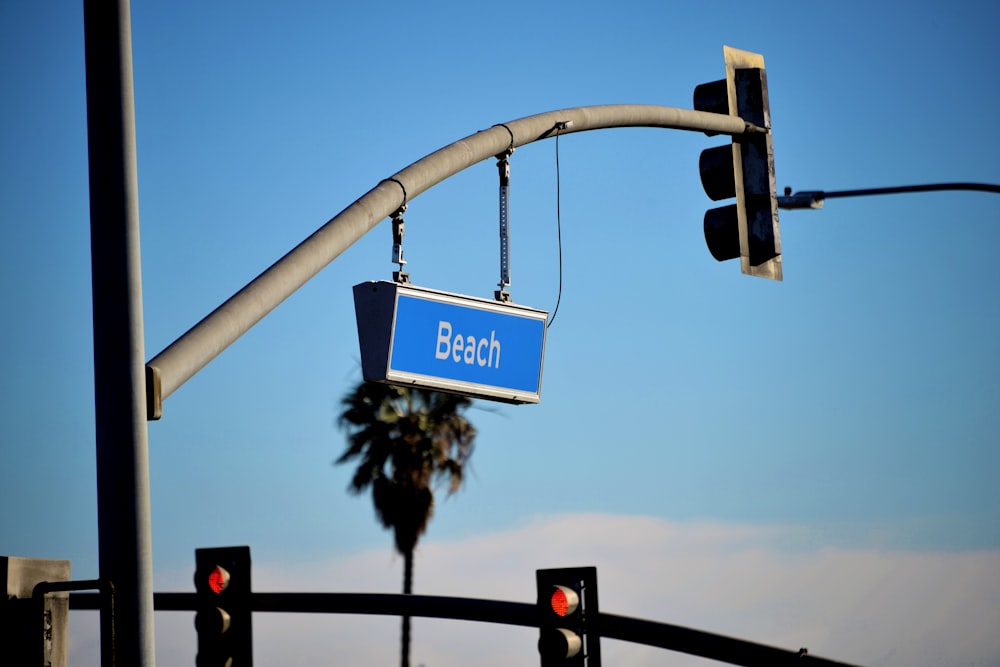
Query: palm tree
point(406, 440)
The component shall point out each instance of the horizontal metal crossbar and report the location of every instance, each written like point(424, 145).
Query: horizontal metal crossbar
point(638, 631)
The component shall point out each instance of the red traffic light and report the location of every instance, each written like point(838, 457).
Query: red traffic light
point(568, 617)
point(564, 600)
point(224, 606)
point(218, 579)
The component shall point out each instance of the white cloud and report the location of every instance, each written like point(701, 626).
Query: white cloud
point(865, 606)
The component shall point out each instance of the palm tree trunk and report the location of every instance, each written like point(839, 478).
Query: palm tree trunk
point(404, 659)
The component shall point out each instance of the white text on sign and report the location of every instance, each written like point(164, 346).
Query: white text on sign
point(467, 349)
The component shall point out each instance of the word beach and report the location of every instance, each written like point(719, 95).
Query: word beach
point(467, 348)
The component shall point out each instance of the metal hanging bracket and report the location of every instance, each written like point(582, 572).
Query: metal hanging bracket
point(398, 229)
point(503, 168)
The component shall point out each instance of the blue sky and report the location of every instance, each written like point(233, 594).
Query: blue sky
point(849, 414)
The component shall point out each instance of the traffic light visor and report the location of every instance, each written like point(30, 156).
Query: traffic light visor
point(564, 600)
point(218, 579)
point(560, 644)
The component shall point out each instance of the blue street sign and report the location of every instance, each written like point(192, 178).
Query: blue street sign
point(449, 342)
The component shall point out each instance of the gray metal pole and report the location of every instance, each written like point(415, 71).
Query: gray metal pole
point(191, 352)
point(124, 532)
point(815, 198)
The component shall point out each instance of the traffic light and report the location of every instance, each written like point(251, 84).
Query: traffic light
point(34, 627)
point(747, 229)
point(568, 617)
point(223, 617)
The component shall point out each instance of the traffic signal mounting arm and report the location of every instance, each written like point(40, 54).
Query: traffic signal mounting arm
point(815, 198)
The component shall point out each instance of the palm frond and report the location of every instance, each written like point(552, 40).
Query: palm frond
point(406, 440)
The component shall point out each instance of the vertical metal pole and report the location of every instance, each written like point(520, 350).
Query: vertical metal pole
point(125, 537)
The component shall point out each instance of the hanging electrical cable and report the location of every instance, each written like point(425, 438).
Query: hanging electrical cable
point(560, 126)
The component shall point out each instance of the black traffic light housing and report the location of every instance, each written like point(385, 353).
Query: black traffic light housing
point(223, 618)
point(568, 617)
point(34, 625)
point(747, 229)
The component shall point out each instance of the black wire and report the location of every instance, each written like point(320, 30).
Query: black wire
point(558, 233)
